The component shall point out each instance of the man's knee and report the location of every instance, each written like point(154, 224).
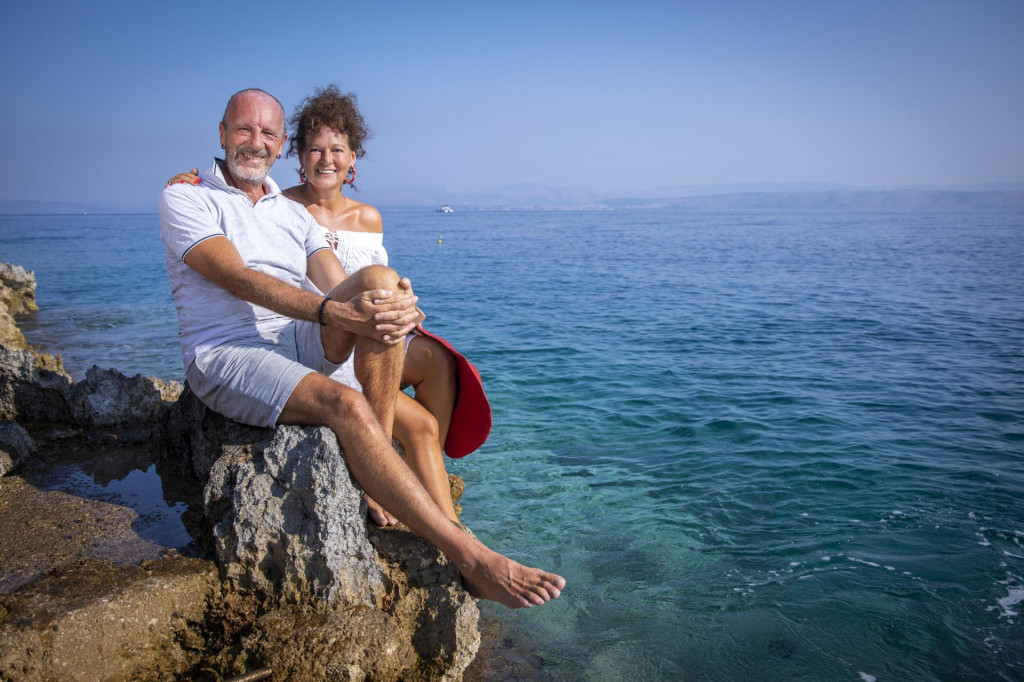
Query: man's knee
point(347, 407)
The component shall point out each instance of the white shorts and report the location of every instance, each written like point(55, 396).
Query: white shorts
point(250, 382)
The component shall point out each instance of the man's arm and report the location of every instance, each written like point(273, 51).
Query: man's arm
point(378, 314)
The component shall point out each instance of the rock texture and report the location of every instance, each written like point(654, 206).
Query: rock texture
point(15, 445)
point(108, 398)
point(126, 622)
point(17, 298)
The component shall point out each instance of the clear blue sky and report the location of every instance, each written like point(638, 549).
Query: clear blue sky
point(103, 101)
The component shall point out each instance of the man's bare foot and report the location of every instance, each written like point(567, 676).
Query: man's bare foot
point(378, 514)
point(509, 583)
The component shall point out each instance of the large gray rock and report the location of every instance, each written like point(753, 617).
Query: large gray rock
point(32, 387)
point(15, 446)
point(108, 398)
point(287, 521)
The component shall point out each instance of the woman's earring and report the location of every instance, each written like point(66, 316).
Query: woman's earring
point(302, 175)
point(351, 177)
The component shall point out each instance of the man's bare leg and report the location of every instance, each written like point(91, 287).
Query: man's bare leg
point(378, 469)
point(417, 430)
point(378, 366)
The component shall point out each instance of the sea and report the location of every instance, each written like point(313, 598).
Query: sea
point(759, 445)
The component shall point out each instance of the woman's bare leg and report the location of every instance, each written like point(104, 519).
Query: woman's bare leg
point(417, 431)
point(430, 370)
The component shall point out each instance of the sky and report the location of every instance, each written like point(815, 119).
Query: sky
point(104, 101)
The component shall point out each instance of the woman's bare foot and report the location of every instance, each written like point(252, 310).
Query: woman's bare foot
point(378, 514)
point(498, 578)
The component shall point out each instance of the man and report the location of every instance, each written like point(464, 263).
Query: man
point(257, 346)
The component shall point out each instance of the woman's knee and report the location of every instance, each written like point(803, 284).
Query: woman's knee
point(378, 277)
point(418, 421)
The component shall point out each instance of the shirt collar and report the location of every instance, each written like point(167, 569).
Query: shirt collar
point(216, 174)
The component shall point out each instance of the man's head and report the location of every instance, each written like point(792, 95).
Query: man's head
point(252, 133)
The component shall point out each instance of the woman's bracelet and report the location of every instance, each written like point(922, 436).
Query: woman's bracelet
point(320, 314)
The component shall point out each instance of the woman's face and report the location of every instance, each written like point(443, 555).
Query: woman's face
point(326, 159)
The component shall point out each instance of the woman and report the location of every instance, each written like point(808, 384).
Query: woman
point(328, 135)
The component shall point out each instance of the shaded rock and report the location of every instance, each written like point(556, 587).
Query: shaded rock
point(17, 290)
point(33, 387)
point(108, 398)
point(95, 620)
point(15, 446)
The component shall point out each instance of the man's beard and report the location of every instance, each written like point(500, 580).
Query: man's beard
point(247, 174)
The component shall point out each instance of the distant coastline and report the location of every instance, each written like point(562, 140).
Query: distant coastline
point(542, 198)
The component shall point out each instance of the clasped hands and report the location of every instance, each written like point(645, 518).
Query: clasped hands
point(384, 315)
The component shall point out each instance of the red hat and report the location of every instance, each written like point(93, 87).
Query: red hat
point(471, 418)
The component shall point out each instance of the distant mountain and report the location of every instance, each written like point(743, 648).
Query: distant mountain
point(535, 196)
point(845, 199)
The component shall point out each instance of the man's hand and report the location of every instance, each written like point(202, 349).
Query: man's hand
point(387, 316)
point(190, 178)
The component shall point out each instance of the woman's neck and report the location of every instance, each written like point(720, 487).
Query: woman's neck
point(332, 201)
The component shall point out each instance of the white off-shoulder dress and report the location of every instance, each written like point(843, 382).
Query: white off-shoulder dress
point(355, 250)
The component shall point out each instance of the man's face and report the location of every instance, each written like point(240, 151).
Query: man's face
point(253, 135)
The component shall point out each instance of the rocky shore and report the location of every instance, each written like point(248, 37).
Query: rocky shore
point(284, 579)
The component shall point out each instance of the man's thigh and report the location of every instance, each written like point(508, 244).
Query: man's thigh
point(248, 383)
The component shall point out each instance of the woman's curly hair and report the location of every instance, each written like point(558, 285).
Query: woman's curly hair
point(328, 107)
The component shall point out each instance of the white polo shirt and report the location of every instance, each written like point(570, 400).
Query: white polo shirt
point(275, 236)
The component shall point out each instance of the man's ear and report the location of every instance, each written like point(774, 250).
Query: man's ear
point(223, 133)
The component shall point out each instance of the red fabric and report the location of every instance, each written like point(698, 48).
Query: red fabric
point(471, 419)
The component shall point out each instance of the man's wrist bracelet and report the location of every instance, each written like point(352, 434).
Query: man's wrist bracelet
point(323, 304)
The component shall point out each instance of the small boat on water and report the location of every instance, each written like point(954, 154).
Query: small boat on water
point(445, 208)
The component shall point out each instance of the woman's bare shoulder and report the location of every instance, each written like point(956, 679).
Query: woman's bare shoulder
point(366, 217)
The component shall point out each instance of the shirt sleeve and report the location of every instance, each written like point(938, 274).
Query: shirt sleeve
point(185, 219)
point(316, 236)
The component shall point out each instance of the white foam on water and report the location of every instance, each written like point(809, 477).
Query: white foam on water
point(1015, 595)
point(866, 677)
point(862, 561)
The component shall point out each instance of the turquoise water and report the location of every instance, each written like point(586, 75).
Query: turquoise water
point(760, 446)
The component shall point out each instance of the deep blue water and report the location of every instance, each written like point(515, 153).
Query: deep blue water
point(759, 445)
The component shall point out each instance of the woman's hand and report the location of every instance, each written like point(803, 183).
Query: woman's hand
point(190, 178)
